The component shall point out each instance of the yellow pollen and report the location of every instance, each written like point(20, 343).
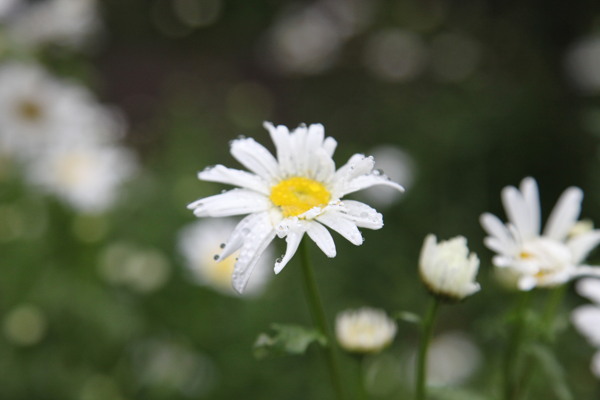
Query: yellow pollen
point(525, 255)
point(297, 195)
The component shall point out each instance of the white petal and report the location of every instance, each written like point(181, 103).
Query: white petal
point(259, 237)
point(565, 214)
point(233, 202)
point(530, 192)
point(321, 236)
point(366, 181)
point(526, 283)
point(292, 239)
point(590, 288)
point(280, 136)
point(255, 157)
point(329, 144)
point(495, 244)
point(342, 225)
point(241, 231)
point(586, 319)
point(236, 177)
point(585, 270)
point(582, 245)
point(300, 153)
point(494, 227)
point(363, 215)
point(518, 212)
point(324, 168)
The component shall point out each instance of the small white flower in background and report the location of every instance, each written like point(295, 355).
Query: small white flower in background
point(38, 111)
point(68, 23)
point(141, 269)
point(539, 259)
point(447, 269)
point(366, 330)
point(87, 178)
point(586, 318)
point(452, 359)
point(200, 241)
point(399, 166)
point(298, 192)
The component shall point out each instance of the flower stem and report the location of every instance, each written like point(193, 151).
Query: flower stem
point(318, 315)
point(426, 334)
point(510, 389)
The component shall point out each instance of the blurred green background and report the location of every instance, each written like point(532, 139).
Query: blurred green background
point(478, 94)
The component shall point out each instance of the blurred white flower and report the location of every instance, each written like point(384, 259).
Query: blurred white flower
point(38, 111)
point(365, 330)
point(452, 359)
point(173, 367)
point(582, 63)
point(540, 260)
point(399, 166)
point(447, 269)
point(143, 270)
point(85, 177)
point(62, 22)
point(299, 192)
point(200, 241)
point(586, 318)
point(395, 55)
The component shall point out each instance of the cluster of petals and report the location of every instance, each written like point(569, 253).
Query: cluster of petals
point(536, 258)
point(586, 318)
point(304, 153)
point(365, 330)
point(447, 269)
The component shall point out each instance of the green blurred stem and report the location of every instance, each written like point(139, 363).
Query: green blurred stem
point(511, 360)
point(318, 315)
point(426, 334)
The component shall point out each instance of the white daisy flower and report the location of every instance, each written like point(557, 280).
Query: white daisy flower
point(366, 330)
point(38, 111)
point(542, 259)
point(298, 192)
point(586, 318)
point(87, 178)
point(447, 268)
point(200, 241)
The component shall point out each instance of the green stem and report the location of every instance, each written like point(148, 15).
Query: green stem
point(318, 315)
point(510, 377)
point(427, 333)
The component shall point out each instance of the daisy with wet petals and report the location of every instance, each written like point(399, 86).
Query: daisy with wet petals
point(298, 192)
point(544, 259)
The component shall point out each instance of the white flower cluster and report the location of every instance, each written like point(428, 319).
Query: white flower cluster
point(536, 259)
point(67, 143)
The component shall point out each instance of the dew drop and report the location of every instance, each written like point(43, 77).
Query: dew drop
point(216, 257)
point(222, 245)
point(279, 260)
point(223, 191)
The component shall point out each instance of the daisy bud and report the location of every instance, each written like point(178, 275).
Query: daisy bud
point(447, 268)
point(365, 330)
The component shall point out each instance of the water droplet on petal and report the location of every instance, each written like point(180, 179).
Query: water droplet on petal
point(216, 257)
point(222, 245)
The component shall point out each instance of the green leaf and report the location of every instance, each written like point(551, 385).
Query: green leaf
point(286, 339)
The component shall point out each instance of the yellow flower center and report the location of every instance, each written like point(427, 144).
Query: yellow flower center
point(297, 195)
point(30, 110)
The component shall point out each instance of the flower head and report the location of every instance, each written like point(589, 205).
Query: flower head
point(366, 330)
point(540, 259)
point(298, 192)
point(447, 268)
